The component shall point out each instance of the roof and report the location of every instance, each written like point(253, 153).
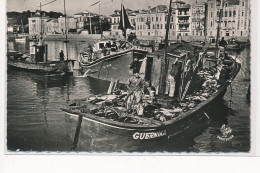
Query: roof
point(159, 8)
point(232, 2)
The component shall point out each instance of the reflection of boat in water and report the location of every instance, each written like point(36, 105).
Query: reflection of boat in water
point(55, 75)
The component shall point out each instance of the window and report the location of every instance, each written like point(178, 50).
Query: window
point(161, 26)
point(156, 19)
point(242, 13)
point(242, 23)
point(243, 4)
point(211, 14)
point(217, 13)
point(225, 23)
point(241, 33)
point(230, 13)
point(211, 24)
point(234, 13)
point(225, 13)
point(226, 4)
point(211, 5)
point(152, 19)
point(149, 33)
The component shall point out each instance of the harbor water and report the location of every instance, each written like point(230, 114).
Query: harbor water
point(36, 123)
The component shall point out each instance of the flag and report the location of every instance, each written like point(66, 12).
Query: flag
point(124, 21)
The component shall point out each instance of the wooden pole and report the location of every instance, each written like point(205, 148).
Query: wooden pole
point(66, 31)
point(76, 137)
point(165, 68)
point(218, 28)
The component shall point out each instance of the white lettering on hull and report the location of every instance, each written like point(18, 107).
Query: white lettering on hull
point(149, 135)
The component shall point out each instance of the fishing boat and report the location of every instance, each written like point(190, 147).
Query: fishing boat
point(104, 121)
point(20, 39)
point(38, 60)
point(233, 44)
point(108, 57)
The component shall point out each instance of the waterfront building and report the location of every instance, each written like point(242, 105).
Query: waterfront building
point(81, 20)
point(235, 21)
point(151, 24)
point(198, 19)
point(70, 22)
point(115, 19)
point(52, 26)
point(183, 18)
point(37, 24)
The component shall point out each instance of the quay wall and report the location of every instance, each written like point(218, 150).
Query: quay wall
point(83, 37)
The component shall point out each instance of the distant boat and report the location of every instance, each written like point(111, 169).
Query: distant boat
point(20, 39)
point(37, 61)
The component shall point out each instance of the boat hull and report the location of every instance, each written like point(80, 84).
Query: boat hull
point(65, 66)
point(97, 136)
point(114, 66)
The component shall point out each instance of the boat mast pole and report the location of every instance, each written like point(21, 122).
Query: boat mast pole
point(41, 23)
point(100, 20)
point(165, 69)
point(66, 31)
point(219, 24)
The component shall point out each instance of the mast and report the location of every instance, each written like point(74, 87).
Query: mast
point(66, 31)
point(219, 24)
point(165, 69)
point(41, 23)
point(100, 20)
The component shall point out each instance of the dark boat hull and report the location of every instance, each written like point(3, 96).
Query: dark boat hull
point(97, 136)
point(114, 66)
point(65, 66)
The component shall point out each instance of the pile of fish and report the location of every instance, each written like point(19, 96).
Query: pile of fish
point(209, 87)
point(113, 106)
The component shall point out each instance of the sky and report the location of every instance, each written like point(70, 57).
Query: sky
point(74, 6)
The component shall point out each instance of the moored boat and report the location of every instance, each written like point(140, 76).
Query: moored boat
point(37, 61)
point(113, 128)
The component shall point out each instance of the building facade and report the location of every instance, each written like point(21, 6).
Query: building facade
point(52, 26)
point(152, 23)
point(37, 24)
point(235, 18)
point(70, 22)
point(198, 19)
point(183, 18)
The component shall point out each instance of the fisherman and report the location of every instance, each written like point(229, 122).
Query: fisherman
point(170, 85)
point(104, 51)
point(61, 55)
point(134, 66)
point(114, 47)
point(136, 89)
point(222, 43)
point(90, 52)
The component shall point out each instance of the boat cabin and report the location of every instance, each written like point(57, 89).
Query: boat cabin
point(38, 53)
point(101, 44)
